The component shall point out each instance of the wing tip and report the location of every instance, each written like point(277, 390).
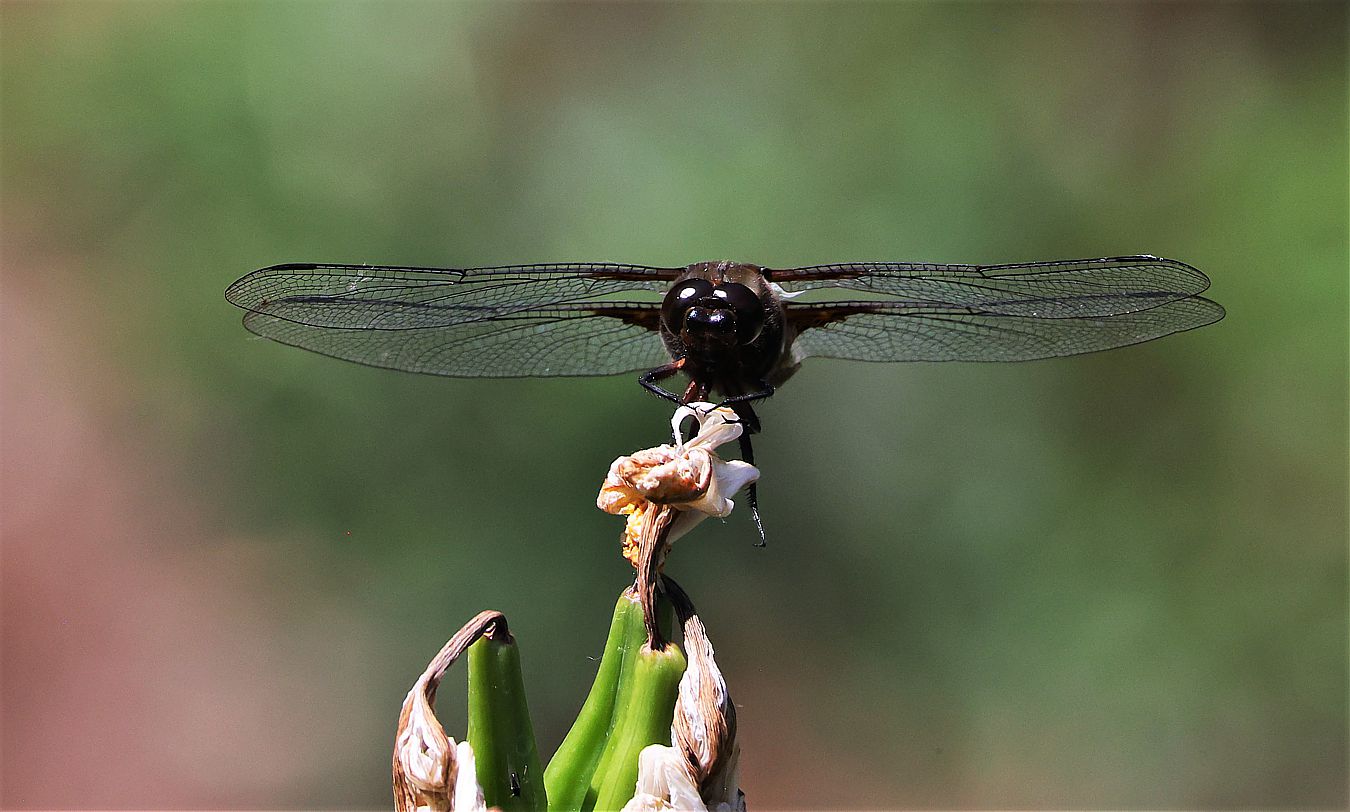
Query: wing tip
point(235, 292)
point(238, 293)
point(1215, 309)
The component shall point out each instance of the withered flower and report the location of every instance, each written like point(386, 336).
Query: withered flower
point(687, 476)
point(431, 771)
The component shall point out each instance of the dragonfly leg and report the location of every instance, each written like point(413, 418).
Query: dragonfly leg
point(764, 391)
point(747, 416)
point(650, 378)
point(752, 492)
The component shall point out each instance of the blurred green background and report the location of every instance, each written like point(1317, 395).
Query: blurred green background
point(1108, 581)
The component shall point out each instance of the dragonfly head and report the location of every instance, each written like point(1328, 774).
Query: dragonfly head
point(721, 315)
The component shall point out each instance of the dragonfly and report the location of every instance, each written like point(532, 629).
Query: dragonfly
point(735, 329)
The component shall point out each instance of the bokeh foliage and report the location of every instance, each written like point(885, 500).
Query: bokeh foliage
point(1109, 581)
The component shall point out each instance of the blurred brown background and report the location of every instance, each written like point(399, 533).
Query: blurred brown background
point(1109, 581)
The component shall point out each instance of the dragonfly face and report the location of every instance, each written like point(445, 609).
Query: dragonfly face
point(725, 326)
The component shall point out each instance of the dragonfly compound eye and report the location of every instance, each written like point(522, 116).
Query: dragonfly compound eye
point(682, 297)
point(748, 308)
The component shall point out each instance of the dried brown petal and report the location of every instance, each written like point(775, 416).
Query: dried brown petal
point(704, 724)
point(430, 771)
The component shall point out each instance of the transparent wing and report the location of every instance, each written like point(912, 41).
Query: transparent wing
point(1081, 288)
point(883, 331)
point(384, 297)
point(599, 339)
point(510, 321)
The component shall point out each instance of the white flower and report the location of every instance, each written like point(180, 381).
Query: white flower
point(716, 426)
point(468, 795)
point(664, 782)
point(688, 476)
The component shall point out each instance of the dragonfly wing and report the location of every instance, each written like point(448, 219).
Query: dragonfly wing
point(383, 297)
point(567, 340)
point(888, 331)
point(509, 321)
point(1081, 288)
